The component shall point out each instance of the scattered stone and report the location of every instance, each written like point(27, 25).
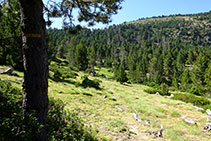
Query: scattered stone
point(123, 130)
point(79, 90)
point(156, 134)
point(157, 93)
point(204, 116)
point(119, 109)
point(160, 133)
point(207, 127)
point(171, 96)
point(164, 105)
point(198, 108)
point(136, 117)
point(147, 122)
point(189, 119)
point(208, 112)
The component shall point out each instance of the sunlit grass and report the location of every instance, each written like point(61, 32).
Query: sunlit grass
point(111, 109)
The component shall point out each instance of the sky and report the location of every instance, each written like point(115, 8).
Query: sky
point(135, 9)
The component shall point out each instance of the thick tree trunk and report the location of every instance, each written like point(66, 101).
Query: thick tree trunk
point(35, 83)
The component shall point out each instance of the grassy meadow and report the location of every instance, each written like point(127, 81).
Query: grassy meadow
point(110, 110)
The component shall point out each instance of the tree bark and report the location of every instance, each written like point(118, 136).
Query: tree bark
point(35, 83)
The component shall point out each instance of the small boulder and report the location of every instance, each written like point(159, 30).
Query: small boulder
point(208, 112)
point(188, 119)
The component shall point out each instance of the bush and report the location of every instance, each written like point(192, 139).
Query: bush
point(162, 90)
point(12, 124)
point(86, 82)
point(152, 84)
point(151, 90)
point(120, 75)
point(60, 73)
point(190, 98)
point(61, 125)
point(195, 90)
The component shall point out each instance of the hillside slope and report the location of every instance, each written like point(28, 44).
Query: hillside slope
point(175, 50)
point(111, 110)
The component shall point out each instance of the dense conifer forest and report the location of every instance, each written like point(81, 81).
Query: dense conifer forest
point(174, 50)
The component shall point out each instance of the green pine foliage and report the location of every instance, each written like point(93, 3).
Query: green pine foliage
point(120, 75)
point(10, 35)
point(81, 60)
point(86, 82)
point(190, 98)
point(171, 49)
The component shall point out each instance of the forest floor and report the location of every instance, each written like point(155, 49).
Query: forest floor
point(111, 110)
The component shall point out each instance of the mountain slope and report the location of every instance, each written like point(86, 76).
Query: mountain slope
point(113, 115)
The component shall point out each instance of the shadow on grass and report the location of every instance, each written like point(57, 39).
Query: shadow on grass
point(127, 85)
point(63, 81)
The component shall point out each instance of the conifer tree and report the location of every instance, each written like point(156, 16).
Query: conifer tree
point(199, 69)
point(168, 67)
point(92, 59)
point(120, 74)
point(186, 80)
point(81, 57)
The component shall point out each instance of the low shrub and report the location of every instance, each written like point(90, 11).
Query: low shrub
point(162, 91)
point(61, 125)
point(60, 73)
point(196, 100)
point(195, 90)
point(151, 90)
point(12, 124)
point(86, 82)
point(65, 125)
point(152, 84)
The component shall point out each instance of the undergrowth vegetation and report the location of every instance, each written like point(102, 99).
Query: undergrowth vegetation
point(196, 100)
point(162, 89)
point(60, 72)
point(61, 124)
point(86, 82)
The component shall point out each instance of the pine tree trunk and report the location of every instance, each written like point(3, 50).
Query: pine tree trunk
point(35, 83)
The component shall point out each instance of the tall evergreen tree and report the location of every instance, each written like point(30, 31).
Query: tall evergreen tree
point(186, 80)
point(120, 74)
point(199, 69)
point(81, 57)
point(168, 68)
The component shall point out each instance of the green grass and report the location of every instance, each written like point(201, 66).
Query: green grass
point(113, 116)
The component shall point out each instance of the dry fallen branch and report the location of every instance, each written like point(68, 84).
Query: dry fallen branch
point(136, 117)
point(8, 71)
